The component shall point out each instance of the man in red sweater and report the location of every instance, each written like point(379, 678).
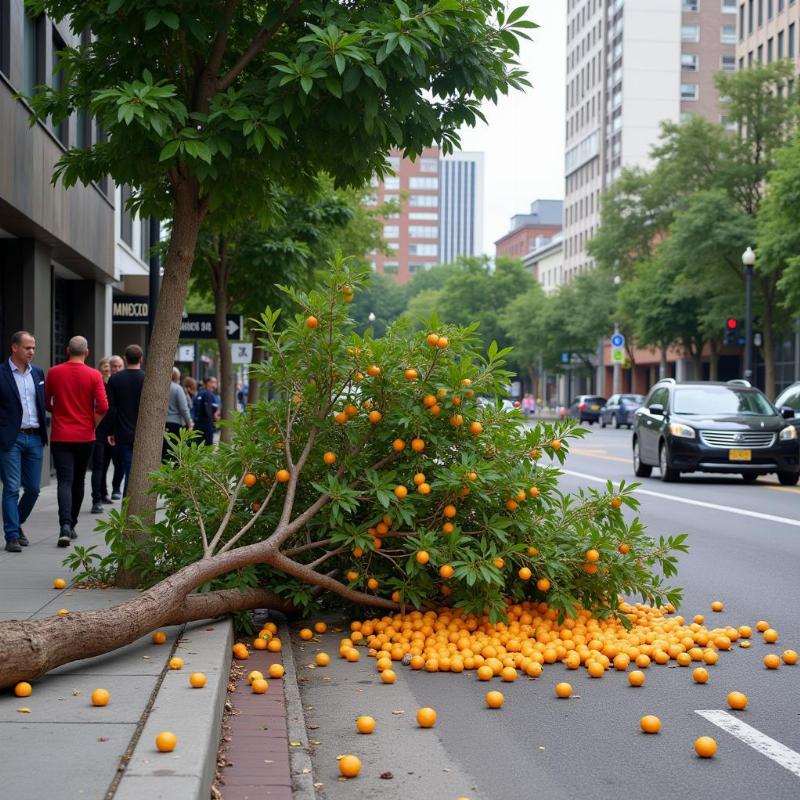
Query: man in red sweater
point(76, 397)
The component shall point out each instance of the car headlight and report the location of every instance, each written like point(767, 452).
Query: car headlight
point(683, 431)
point(788, 433)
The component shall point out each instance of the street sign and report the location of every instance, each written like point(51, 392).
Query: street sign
point(565, 358)
point(618, 341)
point(242, 353)
point(617, 356)
point(184, 353)
point(201, 326)
point(129, 309)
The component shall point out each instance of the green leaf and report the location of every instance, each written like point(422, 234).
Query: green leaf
point(151, 19)
point(306, 83)
point(333, 86)
point(170, 19)
point(516, 14)
point(169, 150)
point(114, 6)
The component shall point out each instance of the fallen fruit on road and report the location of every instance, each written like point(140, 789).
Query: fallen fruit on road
point(365, 724)
point(705, 747)
point(563, 690)
point(426, 717)
point(166, 741)
point(306, 634)
point(255, 675)
point(349, 766)
point(636, 678)
point(320, 627)
point(789, 657)
point(737, 701)
point(494, 699)
point(100, 697)
point(240, 651)
point(650, 723)
point(772, 661)
point(59, 583)
point(276, 671)
point(717, 605)
point(197, 680)
point(700, 675)
point(176, 663)
point(770, 635)
point(388, 676)
point(259, 686)
point(23, 689)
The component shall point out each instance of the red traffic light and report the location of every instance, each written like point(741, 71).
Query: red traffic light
point(731, 324)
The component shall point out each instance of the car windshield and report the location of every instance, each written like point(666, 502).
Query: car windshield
point(632, 398)
point(713, 400)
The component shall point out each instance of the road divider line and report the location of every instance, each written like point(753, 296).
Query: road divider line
point(771, 748)
point(742, 512)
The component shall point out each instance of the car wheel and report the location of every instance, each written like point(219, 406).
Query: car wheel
point(615, 421)
point(668, 474)
point(639, 470)
point(749, 477)
point(788, 478)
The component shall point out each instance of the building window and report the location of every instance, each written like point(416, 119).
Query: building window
point(423, 183)
point(391, 267)
point(125, 217)
point(790, 40)
point(741, 22)
point(419, 267)
point(393, 245)
point(690, 33)
point(33, 45)
point(62, 129)
point(689, 62)
point(727, 34)
point(728, 63)
point(690, 5)
point(391, 231)
point(5, 37)
point(423, 249)
point(750, 16)
point(769, 50)
point(728, 6)
point(394, 163)
point(750, 59)
point(429, 216)
point(423, 231)
point(769, 9)
point(424, 200)
point(760, 13)
point(760, 56)
point(429, 165)
point(780, 44)
point(689, 91)
point(391, 182)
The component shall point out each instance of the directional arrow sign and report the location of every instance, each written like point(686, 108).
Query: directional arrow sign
point(232, 327)
point(202, 326)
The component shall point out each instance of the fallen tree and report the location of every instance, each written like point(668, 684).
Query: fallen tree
point(386, 473)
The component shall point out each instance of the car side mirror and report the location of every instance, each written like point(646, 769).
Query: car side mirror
point(787, 412)
point(657, 409)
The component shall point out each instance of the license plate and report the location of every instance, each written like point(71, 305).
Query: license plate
point(595, 408)
point(740, 455)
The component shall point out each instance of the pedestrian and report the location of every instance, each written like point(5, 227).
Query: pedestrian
point(112, 453)
point(190, 388)
point(124, 393)
point(23, 435)
point(76, 398)
point(206, 412)
point(178, 415)
point(103, 452)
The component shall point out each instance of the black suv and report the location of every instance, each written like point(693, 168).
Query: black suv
point(714, 427)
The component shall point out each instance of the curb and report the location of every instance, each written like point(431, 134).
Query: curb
point(299, 757)
point(188, 772)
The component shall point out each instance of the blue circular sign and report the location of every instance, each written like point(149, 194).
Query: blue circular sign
point(617, 341)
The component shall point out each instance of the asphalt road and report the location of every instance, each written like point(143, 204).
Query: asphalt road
point(744, 549)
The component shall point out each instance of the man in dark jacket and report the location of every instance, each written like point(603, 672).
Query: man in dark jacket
point(124, 391)
point(207, 408)
point(23, 435)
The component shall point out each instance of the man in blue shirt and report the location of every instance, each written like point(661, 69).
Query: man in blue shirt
point(23, 434)
point(207, 408)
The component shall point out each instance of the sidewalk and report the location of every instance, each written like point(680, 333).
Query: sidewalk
point(65, 747)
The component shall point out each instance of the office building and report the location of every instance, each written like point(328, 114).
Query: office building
point(546, 261)
point(543, 221)
point(631, 65)
point(460, 206)
point(767, 30)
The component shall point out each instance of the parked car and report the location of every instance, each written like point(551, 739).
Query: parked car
point(713, 427)
point(586, 408)
point(790, 398)
point(619, 409)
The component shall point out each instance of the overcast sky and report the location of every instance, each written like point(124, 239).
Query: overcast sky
point(523, 141)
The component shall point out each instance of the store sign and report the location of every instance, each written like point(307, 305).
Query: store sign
point(129, 309)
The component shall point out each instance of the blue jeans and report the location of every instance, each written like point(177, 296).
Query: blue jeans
point(125, 461)
point(20, 467)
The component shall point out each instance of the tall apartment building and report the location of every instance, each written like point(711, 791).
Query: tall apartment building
point(768, 30)
point(632, 64)
point(441, 211)
point(461, 205)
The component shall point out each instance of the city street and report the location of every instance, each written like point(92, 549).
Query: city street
point(744, 550)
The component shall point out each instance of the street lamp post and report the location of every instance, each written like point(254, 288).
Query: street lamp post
point(617, 368)
point(748, 259)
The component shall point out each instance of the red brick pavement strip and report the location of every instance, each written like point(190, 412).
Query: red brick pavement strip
point(257, 756)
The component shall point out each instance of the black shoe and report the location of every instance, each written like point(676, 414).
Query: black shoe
point(12, 546)
point(106, 501)
point(64, 536)
point(23, 539)
point(116, 495)
point(97, 508)
point(72, 534)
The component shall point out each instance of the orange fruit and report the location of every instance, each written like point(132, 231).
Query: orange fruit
point(352, 655)
point(166, 741)
point(475, 428)
point(745, 631)
point(592, 555)
point(349, 766)
point(624, 548)
point(762, 625)
point(494, 699)
point(240, 651)
point(442, 343)
point(543, 584)
point(351, 575)
point(717, 605)
point(372, 584)
point(274, 645)
point(419, 478)
point(642, 661)
point(737, 701)
point(424, 488)
point(432, 339)
point(398, 445)
point(329, 457)
point(250, 480)
point(259, 644)
point(770, 635)
point(446, 571)
point(365, 724)
point(312, 322)
point(595, 669)
point(254, 675)
point(772, 661)
point(410, 374)
point(259, 686)
point(499, 562)
point(417, 445)
point(650, 723)
point(400, 492)
point(306, 634)
point(429, 400)
point(511, 505)
point(533, 491)
point(375, 417)
point(426, 717)
point(59, 583)
point(423, 557)
point(276, 671)
point(508, 674)
point(282, 476)
point(700, 675)
point(636, 678)
point(62, 612)
point(555, 444)
point(449, 511)
point(23, 689)
point(340, 418)
point(322, 659)
point(699, 619)
point(197, 680)
point(563, 690)
point(388, 676)
point(524, 574)
point(789, 657)
point(176, 663)
point(705, 747)
point(485, 673)
point(373, 370)
point(448, 527)
point(457, 420)
point(159, 637)
point(616, 502)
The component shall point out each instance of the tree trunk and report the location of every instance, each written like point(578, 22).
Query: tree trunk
point(713, 363)
point(697, 362)
point(188, 216)
point(219, 282)
point(663, 365)
point(253, 382)
point(768, 353)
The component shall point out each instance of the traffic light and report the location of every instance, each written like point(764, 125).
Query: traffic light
point(731, 334)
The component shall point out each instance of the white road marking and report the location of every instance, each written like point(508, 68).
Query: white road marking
point(742, 512)
point(765, 745)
